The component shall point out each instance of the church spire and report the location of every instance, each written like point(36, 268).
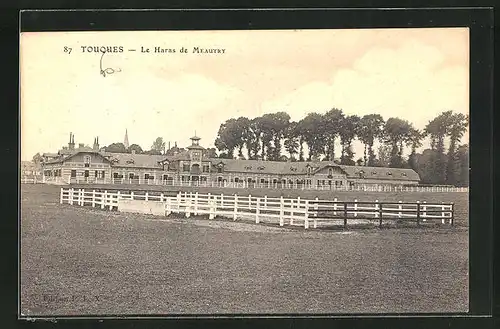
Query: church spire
point(125, 141)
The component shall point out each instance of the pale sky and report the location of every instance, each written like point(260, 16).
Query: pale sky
point(414, 74)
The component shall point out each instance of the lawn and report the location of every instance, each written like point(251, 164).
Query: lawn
point(78, 261)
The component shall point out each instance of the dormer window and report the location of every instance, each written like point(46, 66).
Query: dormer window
point(330, 171)
point(389, 173)
point(86, 160)
point(309, 169)
point(261, 168)
point(294, 169)
point(130, 161)
point(374, 172)
point(403, 174)
point(248, 167)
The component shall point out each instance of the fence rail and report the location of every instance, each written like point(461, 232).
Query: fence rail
point(281, 210)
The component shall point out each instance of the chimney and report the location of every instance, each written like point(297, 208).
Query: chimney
point(71, 144)
point(95, 147)
point(81, 145)
point(169, 145)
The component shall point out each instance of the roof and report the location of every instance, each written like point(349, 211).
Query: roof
point(62, 158)
point(196, 138)
point(380, 173)
point(134, 160)
point(300, 168)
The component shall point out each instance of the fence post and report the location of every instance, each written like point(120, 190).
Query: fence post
point(376, 209)
point(335, 207)
point(442, 212)
point(93, 198)
point(257, 211)
point(380, 213)
point(355, 208)
point(282, 220)
point(316, 207)
point(188, 207)
point(222, 200)
point(291, 209)
point(235, 211)
point(103, 199)
point(265, 201)
point(400, 207)
point(345, 214)
point(61, 197)
point(424, 213)
point(418, 213)
point(249, 200)
point(196, 204)
point(306, 215)
point(452, 218)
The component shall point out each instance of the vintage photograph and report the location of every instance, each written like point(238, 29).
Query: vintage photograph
point(244, 172)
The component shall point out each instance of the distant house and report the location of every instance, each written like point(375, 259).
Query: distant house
point(193, 165)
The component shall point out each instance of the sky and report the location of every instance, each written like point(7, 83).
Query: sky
point(414, 74)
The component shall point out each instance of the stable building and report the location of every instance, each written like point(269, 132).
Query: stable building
point(193, 167)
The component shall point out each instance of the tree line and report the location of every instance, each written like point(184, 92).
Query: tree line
point(267, 138)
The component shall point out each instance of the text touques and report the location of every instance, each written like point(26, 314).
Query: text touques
point(160, 50)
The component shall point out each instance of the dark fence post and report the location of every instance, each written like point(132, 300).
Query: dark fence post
point(345, 214)
point(452, 214)
point(380, 212)
point(418, 213)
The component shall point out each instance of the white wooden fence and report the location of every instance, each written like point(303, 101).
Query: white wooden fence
point(268, 185)
point(281, 210)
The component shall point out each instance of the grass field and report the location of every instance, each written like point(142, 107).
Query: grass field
point(78, 261)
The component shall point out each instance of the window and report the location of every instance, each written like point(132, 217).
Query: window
point(131, 175)
point(87, 173)
point(374, 172)
point(73, 173)
point(219, 170)
point(262, 180)
point(206, 168)
point(86, 161)
point(185, 167)
point(236, 179)
point(99, 174)
point(330, 171)
point(165, 177)
point(389, 173)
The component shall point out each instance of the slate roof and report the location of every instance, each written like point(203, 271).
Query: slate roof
point(300, 168)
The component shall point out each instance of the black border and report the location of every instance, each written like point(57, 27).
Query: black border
point(480, 22)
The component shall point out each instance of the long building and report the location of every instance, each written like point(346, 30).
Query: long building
point(194, 166)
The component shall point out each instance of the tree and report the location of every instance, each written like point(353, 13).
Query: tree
point(349, 128)
point(414, 140)
point(280, 122)
point(253, 139)
point(241, 133)
point(292, 140)
point(396, 133)
point(371, 127)
point(136, 148)
point(228, 137)
point(158, 146)
point(332, 125)
point(37, 159)
point(438, 128)
point(116, 148)
point(384, 156)
point(462, 158)
point(311, 131)
point(458, 126)
point(211, 152)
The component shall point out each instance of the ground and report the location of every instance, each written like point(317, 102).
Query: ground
point(78, 260)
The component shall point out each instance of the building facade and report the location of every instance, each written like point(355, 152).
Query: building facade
point(193, 166)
